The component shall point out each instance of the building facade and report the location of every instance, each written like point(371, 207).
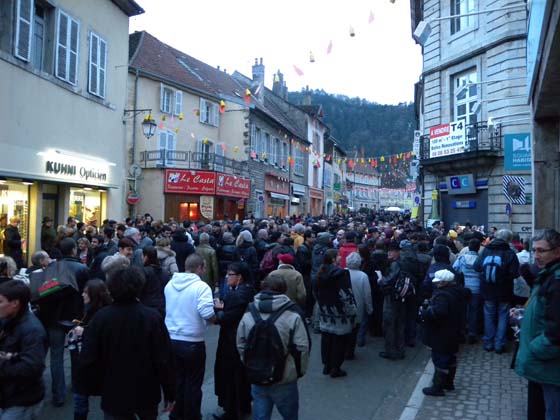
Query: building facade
point(63, 151)
point(473, 113)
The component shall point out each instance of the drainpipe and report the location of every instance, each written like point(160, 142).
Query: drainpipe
point(134, 120)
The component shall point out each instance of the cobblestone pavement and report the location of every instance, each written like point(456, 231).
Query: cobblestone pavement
point(486, 389)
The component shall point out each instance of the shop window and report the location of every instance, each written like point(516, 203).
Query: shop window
point(85, 205)
point(189, 211)
point(14, 202)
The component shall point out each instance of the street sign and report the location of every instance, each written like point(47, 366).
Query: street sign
point(508, 209)
point(132, 198)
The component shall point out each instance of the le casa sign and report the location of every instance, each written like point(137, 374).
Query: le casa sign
point(181, 181)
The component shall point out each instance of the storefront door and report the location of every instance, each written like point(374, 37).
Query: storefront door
point(50, 202)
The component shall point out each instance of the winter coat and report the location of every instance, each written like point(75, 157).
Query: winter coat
point(211, 275)
point(426, 288)
point(152, 292)
point(322, 244)
point(443, 318)
point(126, 357)
point(12, 245)
point(337, 307)
point(248, 254)
point(48, 236)
point(227, 254)
point(21, 377)
point(538, 358)
point(167, 262)
point(182, 248)
point(230, 379)
point(362, 294)
point(261, 247)
point(99, 254)
point(298, 240)
point(303, 260)
point(346, 249)
point(465, 264)
point(289, 323)
point(294, 281)
point(502, 290)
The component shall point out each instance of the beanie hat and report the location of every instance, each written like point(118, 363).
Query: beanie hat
point(443, 275)
point(286, 258)
point(452, 234)
point(405, 244)
point(246, 236)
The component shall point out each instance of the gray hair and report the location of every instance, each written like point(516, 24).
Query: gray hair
point(353, 261)
point(551, 236)
point(8, 266)
point(262, 233)
point(204, 238)
point(130, 232)
point(39, 256)
point(299, 228)
point(193, 262)
point(228, 238)
point(505, 234)
point(113, 263)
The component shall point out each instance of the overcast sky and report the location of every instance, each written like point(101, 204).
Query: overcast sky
point(380, 63)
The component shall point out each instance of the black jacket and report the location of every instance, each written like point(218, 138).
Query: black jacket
point(126, 358)
point(502, 290)
point(99, 254)
point(12, 245)
point(21, 377)
point(261, 246)
point(303, 260)
point(426, 289)
point(180, 244)
point(152, 292)
point(444, 317)
point(227, 253)
point(248, 254)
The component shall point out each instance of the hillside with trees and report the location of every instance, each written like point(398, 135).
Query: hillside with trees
point(363, 127)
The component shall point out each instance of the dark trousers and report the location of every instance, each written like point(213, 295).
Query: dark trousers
point(473, 312)
point(535, 401)
point(352, 341)
point(333, 349)
point(144, 414)
point(376, 318)
point(190, 360)
point(411, 314)
point(309, 298)
point(444, 361)
point(393, 326)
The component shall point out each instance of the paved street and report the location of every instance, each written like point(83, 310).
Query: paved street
point(374, 388)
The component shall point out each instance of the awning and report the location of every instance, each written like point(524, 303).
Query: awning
point(279, 196)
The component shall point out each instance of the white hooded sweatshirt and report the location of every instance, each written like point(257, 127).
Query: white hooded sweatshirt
point(189, 303)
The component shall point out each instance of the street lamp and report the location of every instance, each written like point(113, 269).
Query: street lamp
point(149, 126)
point(424, 28)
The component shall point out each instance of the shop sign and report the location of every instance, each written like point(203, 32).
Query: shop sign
point(89, 174)
point(207, 206)
point(315, 193)
point(447, 139)
point(190, 182)
point(460, 184)
point(275, 184)
point(233, 186)
point(517, 152)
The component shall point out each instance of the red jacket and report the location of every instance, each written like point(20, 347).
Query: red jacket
point(346, 249)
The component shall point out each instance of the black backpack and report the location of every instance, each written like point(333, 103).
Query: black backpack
point(265, 355)
point(404, 286)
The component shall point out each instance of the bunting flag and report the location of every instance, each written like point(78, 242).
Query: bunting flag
point(253, 154)
point(222, 106)
point(181, 115)
point(247, 97)
point(224, 147)
point(298, 71)
point(371, 17)
point(329, 48)
point(236, 149)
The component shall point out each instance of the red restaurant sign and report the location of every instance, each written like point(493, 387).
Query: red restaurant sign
point(190, 182)
point(233, 186)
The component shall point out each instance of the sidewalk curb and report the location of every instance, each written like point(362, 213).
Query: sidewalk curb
point(415, 401)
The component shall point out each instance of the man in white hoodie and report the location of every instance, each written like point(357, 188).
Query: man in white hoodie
point(189, 308)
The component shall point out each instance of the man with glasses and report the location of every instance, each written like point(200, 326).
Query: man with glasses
point(538, 358)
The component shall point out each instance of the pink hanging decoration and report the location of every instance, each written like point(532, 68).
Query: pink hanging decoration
point(371, 17)
point(298, 71)
point(329, 48)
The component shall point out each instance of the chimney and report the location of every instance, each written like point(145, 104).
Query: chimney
point(285, 91)
point(277, 86)
point(258, 79)
point(306, 97)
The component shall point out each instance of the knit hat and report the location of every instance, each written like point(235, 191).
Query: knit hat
point(405, 244)
point(246, 236)
point(443, 275)
point(452, 234)
point(286, 258)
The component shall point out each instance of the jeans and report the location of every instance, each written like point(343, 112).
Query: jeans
point(393, 326)
point(21, 413)
point(495, 336)
point(362, 331)
point(144, 414)
point(551, 394)
point(190, 360)
point(284, 396)
point(81, 404)
point(57, 337)
point(473, 309)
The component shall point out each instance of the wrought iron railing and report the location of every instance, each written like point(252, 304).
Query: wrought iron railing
point(163, 158)
point(479, 137)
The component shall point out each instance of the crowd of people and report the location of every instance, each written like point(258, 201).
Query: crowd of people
point(131, 301)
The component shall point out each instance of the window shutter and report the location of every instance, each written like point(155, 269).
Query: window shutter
point(216, 115)
point(62, 46)
point(24, 26)
point(93, 63)
point(178, 102)
point(102, 68)
point(218, 160)
point(253, 138)
point(162, 146)
point(203, 117)
point(73, 51)
point(161, 98)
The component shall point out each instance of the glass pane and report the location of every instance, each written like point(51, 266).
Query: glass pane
point(461, 110)
point(14, 202)
point(85, 205)
point(472, 91)
point(462, 94)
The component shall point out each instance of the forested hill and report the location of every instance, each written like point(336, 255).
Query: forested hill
point(356, 123)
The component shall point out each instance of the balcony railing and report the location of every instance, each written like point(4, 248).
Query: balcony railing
point(190, 160)
point(480, 138)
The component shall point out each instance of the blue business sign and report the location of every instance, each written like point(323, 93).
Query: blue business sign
point(460, 184)
point(517, 152)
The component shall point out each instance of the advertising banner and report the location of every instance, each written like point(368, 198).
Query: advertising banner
point(233, 186)
point(189, 182)
point(517, 152)
point(447, 139)
point(207, 206)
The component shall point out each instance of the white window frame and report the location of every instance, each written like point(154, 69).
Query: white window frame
point(253, 139)
point(266, 146)
point(178, 108)
point(68, 49)
point(170, 140)
point(97, 71)
point(37, 20)
point(24, 27)
point(209, 112)
point(204, 149)
point(166, 95)
point(258, 142)
point(461, 7)
point(465, 97)
point(218, 154)
point(298, 165)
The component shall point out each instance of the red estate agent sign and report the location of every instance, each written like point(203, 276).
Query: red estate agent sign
point(233, 186)
point(190, 182)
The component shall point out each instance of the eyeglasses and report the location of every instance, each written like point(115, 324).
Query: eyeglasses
point(543, 251)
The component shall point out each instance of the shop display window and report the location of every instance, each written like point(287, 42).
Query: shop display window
point(189, 211)
point(14, 202)
point(85, 204)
